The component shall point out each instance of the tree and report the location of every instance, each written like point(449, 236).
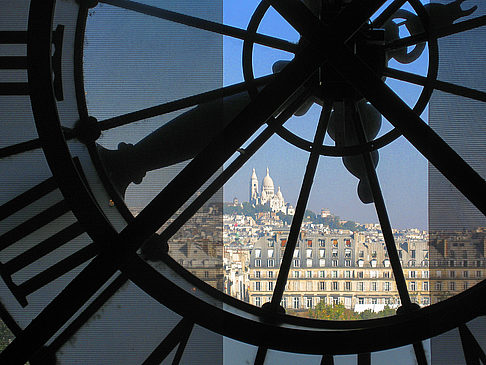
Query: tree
point(336, 312)
point(6, 335)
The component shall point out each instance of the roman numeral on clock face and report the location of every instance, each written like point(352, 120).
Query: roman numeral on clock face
point(16, 62)
point(61, 233)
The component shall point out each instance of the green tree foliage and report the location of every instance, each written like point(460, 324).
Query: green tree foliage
point(6, 335)
point(338, 312)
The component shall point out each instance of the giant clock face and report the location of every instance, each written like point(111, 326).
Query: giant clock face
point(86, 281)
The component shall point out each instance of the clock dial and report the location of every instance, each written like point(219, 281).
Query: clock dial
point(73, 255)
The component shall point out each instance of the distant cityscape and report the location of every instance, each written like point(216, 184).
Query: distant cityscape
point(336, 262)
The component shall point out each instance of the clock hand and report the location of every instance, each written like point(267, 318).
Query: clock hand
point(176, 141)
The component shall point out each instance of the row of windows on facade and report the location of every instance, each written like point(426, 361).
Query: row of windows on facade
point(270, 253)
point(309, 262)
point(458, 263)
point(359, 286)
point(300, 263)
point(309, 302)
point(348, 274)
point(334, 242)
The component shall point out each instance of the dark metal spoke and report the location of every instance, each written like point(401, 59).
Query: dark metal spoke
point(179, 104)
point(418, 133)
point(245, 155)
point(381, 211)
point(301, 206)
point(387, 13)
point(178, 334)
point(418, 348)
point(87, 313)
point(436, 84)
point(438, 33)
point(203, 24)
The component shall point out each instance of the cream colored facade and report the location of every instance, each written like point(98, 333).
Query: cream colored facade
point(364, 279)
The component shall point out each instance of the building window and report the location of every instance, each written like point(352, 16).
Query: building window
point(386, 286)
point(347, 285)
point(258, 301)
point(296, 263)
point(271, 263)
point(361, 254)
point(258, 263)
point(308, 253)
point(309, 243)
point(360, 275)
point(258, 253)
point(386, 263)
point(308, 274)
point(322, 243)
point(360, 286)
point(334, 274)
point(206, 274)
point(438, 274)
point(373, 286)
point(270, 274)
point(257, 274)
point(334, 242)
point(347, 253)
point(296, 253)
point(322, 262)
point(425, 300)
point(413, 286)
point(284, 302)
point(322, 252)
point(361, 300)
point(438, 286)
point(270, 253)
point(386, 274)
point(347, 274)
point(412, 252)
point(452, 274)
point(270, 243)
point(334, 263)
point(373, 273)
point(360, 263)
point(374, 300)
point(347, 263)
point(296, 302)
point(335, 285)
point(411, 263)
point(270, 285)
point(322, 285)
point(283, 243)
point(425, 274)
point(465, 274)
point(322, 274)
point(478, 273)
point(308, 302)
point(465, 285)
point(373, 263)
point(412, 274)
point(452, 285)
point(347, 242)
point(335, 301)
point(425, 285)
point(334, 252)
point(257, 286)
point(296, 274)
point(308, 262)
